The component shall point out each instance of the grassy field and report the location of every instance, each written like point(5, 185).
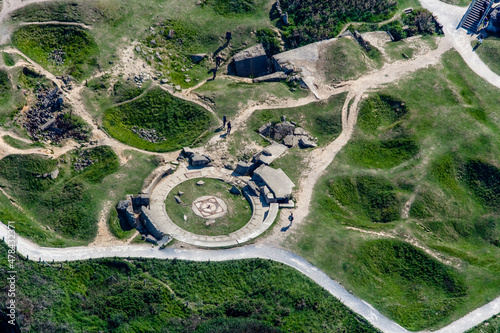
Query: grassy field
point(321, 119)
point(228, 97)
point(154, 295)
point(5, 88)
point(238, 214)
point(64, 211)
point(179, 122)
point(20, 144)
point(452, 168)
point(488, 52)
point(77, 48)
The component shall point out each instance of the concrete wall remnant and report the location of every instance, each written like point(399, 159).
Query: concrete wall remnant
point(148, 221)
point(251, 62)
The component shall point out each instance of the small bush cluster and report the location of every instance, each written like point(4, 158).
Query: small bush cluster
point(313, 20)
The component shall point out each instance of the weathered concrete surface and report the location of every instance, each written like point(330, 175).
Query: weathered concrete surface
point(251, 62)
point(277, 181)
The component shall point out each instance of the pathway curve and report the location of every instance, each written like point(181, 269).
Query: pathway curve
point(35, 252)
point(263, 215)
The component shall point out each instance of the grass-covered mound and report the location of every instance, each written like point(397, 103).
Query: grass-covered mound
point(64, 211)
point(408, 276)
point(152, 295)
point(313, 20)
point(60, 49)
point(65, 203)
point(238, 213)
point(376, 197)
point(447, 195)
point(179, 122)
point(19, 144)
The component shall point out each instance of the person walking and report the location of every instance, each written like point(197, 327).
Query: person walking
point(290, 218)
point(224, 119)
point(228, 127)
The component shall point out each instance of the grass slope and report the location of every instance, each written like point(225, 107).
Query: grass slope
point(173, 296)
point(180, 122)
point(64, 211)
point(453, 170)
point(78, 45)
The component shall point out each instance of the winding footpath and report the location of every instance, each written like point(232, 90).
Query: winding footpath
point(448, 15)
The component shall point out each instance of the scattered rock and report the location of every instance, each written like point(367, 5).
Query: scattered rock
point(148, 134)
point(187, 152)
point(198, 57)
point(138, 49)
point(178, 88)
point(265, 129)
point(164, 81)
point(244, 168)
point(209, 222)
point(200, 183)
point(177, 199)
point(180, 193)
point(307, 143)
point(153, 42)
point(54, 174)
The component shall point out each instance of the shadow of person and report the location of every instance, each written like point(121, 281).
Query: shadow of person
point(475, 47)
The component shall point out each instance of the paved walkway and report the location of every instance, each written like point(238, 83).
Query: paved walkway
point(263, 215)
point(35, 252)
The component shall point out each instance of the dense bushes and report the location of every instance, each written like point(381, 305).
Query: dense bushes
point(153, 295)
point(420, 21)
point(313, 20)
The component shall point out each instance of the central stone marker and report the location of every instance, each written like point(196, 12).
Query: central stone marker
point(209, 207)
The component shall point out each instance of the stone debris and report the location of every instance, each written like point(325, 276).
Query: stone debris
point(289, 134)
point(141, 78)
point(178, 199)
point(45, 121)
point(83, 161)
point(57, 57)
point(209, 222)
point(200, 183)
point(198, 57)
point(148, 134)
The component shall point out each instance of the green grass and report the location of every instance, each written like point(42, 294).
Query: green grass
point(461, 3)
point(491, 325)
point(8, 59)
point(488, 52)
point(38, 41)
point(450, 115)
point(150, 295)
point(5, 87)
point(117, 229)
point(228, 97)
point(20, 144)
point(346, 60)
point(238, 214)
point(67, 208)
point(321, 119)
point(180, 122)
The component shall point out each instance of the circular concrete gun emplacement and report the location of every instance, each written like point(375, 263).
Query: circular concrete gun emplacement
point(207, 210)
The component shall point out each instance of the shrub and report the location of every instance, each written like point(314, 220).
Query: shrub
point(269, 39)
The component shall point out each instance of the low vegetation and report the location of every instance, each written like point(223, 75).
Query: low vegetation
point(151, 295)
point(5, 88)
point(311, 20)
point(63, 211)
point(63, 50)
point(231, 7)
point(238, 214)
point(179, 122)
point(19, 144)
point(441, 148)
point(488, 52)
point(8, 59)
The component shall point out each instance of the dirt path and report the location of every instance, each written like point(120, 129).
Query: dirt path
point(83, 25)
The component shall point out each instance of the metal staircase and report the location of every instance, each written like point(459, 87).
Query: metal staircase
point(475, 15)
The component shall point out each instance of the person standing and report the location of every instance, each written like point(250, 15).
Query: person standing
point(290, 218)
point(224, 119)
point(228, 127)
